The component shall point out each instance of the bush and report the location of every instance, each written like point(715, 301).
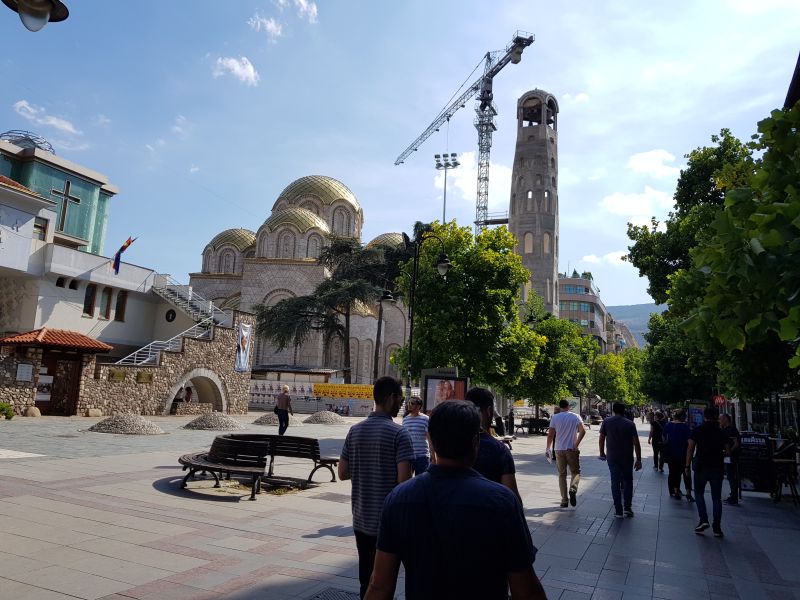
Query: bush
point(6, 410)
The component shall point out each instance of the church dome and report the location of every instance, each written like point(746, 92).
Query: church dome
point(327, 189)
point(301, 218)
point(391, 239)
point(241, 239)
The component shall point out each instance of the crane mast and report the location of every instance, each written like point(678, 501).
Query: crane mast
point(484, 120)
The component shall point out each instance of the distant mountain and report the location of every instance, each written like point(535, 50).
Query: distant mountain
point(636, 317)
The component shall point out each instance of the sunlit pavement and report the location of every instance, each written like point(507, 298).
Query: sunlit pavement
point(102, 516)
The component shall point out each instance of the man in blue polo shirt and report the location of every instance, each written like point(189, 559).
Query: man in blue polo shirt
point(376, 455)
point(457, 534)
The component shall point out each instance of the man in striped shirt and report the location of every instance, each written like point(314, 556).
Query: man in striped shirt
point(417, 425)
point(376, 456)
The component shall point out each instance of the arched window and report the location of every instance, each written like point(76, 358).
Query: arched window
point(528, 243)
point(529, 196)
point(313, 246)
point(286, 245)
point(310, 205)
point(552, 162)
point(122, 303)
point(547, 206)
point(538, 180)
point(207, 261)
point(262, 245)
point(227, 262)
point(105, 303)
point(341, 221)
point(547, 243)
point(549, 291)
point(88, 300)
point(61, 282)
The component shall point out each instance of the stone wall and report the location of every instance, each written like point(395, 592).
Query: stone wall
point(19, 394)
point(206, 365)
point(194, 408)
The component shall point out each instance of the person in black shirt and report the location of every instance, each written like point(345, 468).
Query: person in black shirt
point(709, 445)
point(656, 440)
point(732, 466)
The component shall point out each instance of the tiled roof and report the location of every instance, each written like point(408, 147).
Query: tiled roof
point(327, 189)
point(60, 338)
point(8, 182)
point(392, 239)
point(240, 238)
point(301, 218)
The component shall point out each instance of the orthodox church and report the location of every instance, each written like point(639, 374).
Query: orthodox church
point(242, 268)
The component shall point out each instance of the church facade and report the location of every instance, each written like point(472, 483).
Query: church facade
point(242, 268)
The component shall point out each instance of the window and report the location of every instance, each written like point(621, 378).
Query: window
point(547, 241)
point(573, 306)
point(105, 303)
point(538, 180)
point(61, 282)
point(585, 322)
point(584, 307)
point(591, 324)
point(119, 309)
point(562, 306)
point(528, 243)
point(530, 194)
point(569, 289)
point(88, 300)
point(40, 228)
point(73, 285)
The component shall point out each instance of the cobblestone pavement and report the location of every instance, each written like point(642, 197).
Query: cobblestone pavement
point(101, 516)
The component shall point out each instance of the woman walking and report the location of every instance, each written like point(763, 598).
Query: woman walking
point(676, 433)
point(656, 440)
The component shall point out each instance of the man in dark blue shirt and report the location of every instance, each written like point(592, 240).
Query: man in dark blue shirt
point(621, 439)
point(457, 534)
point(709, 446)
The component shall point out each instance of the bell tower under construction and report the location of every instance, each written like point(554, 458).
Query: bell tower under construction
point(533, 207)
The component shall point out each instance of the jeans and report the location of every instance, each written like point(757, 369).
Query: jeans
point(732, 472)
point(283, 421)
point(571, 458)
point(658, 456)
point(420, 464)
point(676, 471)
point(621, 484)
point(365, 544)
point(712, 476)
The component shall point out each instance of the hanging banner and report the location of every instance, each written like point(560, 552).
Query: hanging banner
point(244, 341)
point(358, 391)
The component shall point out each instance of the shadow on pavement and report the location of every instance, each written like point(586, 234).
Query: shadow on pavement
point(335, 531)
point(172, 487)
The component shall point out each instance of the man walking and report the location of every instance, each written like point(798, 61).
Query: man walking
point(376, 456)
point(417, 426)
point(732, 462)
point(565, 435)
point(436, 525)
point(494, 459)
point(283, 406)
point(618, 442)
point(708, 444)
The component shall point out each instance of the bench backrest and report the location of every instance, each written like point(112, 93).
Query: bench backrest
point(240, 451)
point(295, 447)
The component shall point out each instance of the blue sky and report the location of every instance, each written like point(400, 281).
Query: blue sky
point(202, 112)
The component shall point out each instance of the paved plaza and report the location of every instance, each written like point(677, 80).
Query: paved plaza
point(87, 515)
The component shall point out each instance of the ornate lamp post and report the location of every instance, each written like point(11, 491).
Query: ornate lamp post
point(443, 265)
point(35, 14)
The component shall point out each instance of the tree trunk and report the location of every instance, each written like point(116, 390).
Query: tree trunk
point(377, 356)
point(347, 370)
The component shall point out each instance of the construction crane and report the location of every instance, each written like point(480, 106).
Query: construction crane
point(493, 63)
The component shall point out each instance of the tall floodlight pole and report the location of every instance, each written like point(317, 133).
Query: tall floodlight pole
point(445, 162)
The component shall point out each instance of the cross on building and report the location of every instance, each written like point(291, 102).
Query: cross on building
point(66, 198)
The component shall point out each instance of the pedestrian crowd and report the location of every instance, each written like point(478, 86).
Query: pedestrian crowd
point(438, 494)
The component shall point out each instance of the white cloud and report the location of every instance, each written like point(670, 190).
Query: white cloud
point(652, 163)
point(611, 258)
point(179, 125)
point(38, 115)
point(464, 182)
point(578, 98)
point(241, 68)
point(597, 174)
point(270, 26)
point(306, 10)
point(101, 120)
point(638, 206)
point(194, 169)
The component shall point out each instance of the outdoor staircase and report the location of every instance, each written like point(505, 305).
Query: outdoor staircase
point(205, 314)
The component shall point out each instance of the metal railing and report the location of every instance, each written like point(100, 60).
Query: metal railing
point(151, 354)
point(190, 302)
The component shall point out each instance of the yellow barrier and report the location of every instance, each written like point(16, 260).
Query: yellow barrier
point(343, 390)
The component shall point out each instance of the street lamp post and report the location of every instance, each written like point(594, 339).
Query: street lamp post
point(445, 162)
point(443, 265)
point(35, 14)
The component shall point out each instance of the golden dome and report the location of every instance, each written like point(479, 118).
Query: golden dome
point(301, 218)
point(327, 189)
point(391, 239)
point(241, 239)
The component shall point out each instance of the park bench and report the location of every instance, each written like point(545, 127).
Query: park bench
point(246, 454)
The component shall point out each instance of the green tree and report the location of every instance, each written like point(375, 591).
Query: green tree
point(609, 377)
point(634, 368)
point(469, 318)
point(353, 272)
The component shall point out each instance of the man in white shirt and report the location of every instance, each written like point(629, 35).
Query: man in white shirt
point(564, 435)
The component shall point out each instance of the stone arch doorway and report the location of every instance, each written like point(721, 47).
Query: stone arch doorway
point(207, 387)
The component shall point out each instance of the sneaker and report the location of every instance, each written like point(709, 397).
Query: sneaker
point(572, 496)
point(718, 531)
point(628, 513)
point(564, 504)
point(689, 497)
point(701, 527)
point(618, 515)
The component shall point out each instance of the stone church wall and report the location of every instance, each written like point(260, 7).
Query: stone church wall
point(211, 361)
